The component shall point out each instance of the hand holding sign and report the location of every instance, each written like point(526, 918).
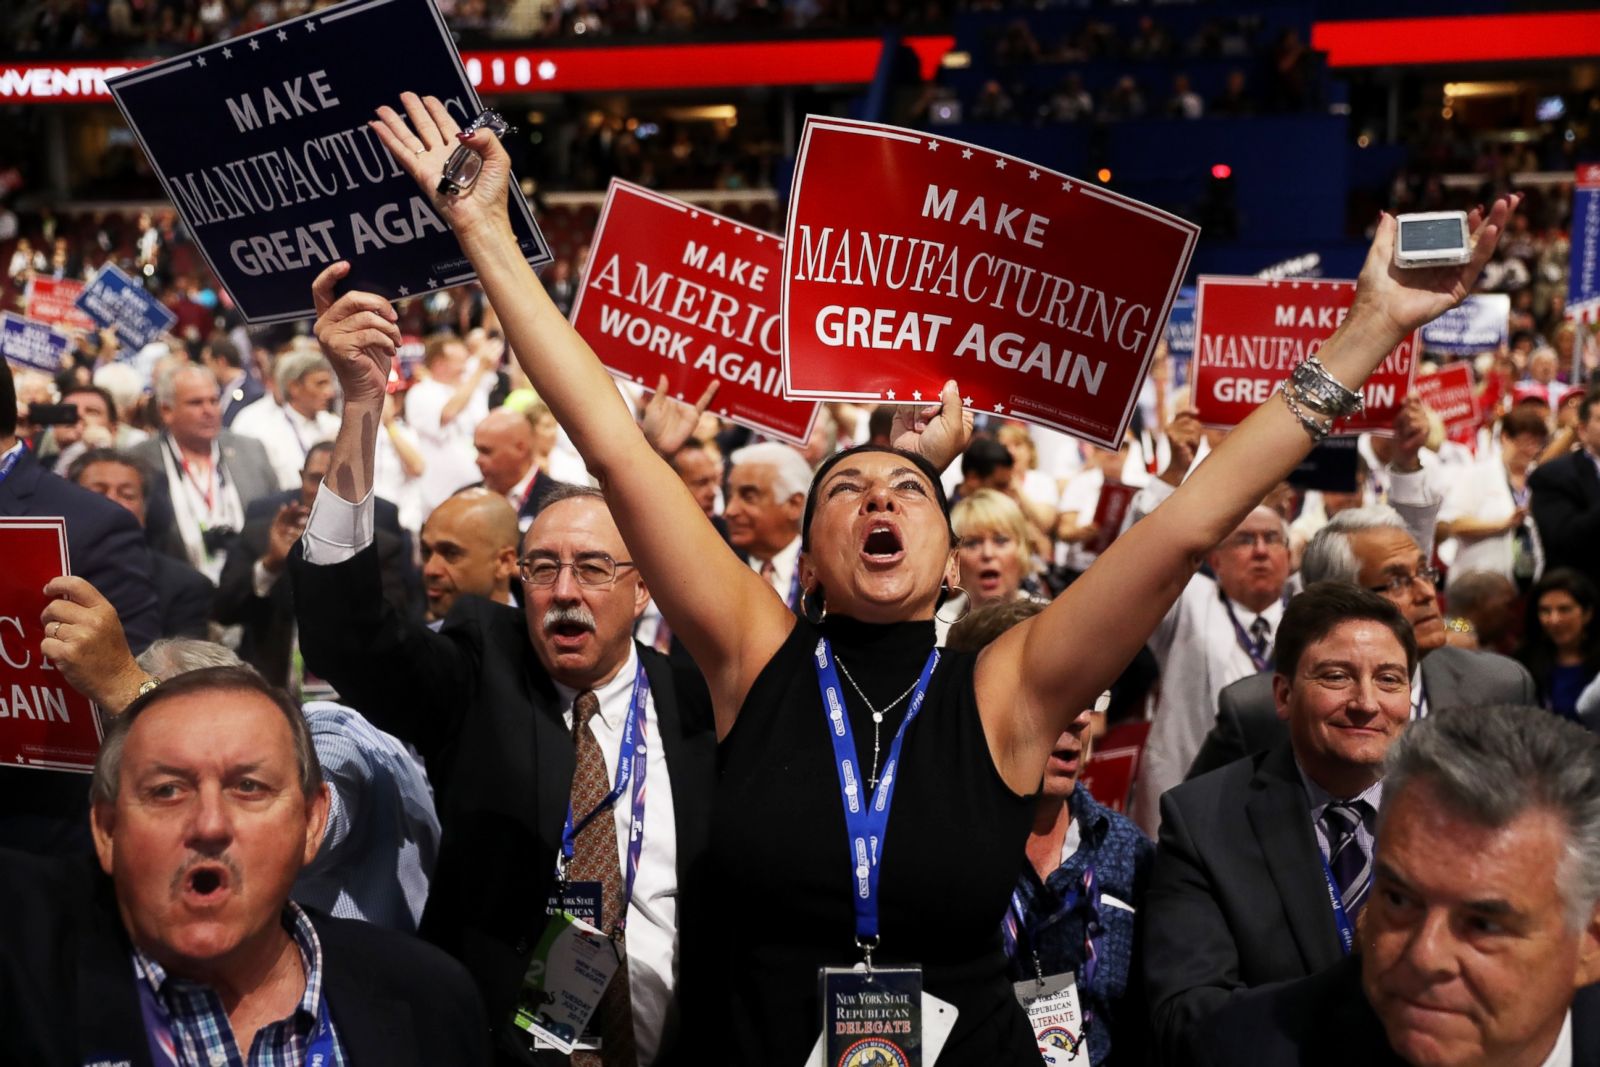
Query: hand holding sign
point(1409, 299)
point(423, 147)
point(358, 334)
point(939, 433)
point(84, 639)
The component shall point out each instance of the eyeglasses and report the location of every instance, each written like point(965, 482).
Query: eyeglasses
point(1247, 541)
point(1396, 584)
point(596, 569)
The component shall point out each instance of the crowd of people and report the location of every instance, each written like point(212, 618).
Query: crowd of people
point(390, 629)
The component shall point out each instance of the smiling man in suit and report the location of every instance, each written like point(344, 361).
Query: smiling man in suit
point(521, 716)
point(1236, 902)
point(1371, 547)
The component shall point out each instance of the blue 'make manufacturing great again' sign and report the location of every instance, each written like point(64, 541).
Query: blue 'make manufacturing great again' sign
point(263, 145)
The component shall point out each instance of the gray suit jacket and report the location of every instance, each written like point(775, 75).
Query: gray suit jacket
point(1247, 718)
point(243, 459)
point(1237, 898)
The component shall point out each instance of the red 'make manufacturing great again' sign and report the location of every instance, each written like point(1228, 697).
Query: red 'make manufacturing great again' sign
point(913, 259)
point(673, 289)
point(1251, 333)
point(44, 723)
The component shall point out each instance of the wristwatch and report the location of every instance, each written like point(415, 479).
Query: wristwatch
point(147, 685)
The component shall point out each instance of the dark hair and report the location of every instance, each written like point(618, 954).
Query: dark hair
point(100, 391)
point(1323, 606)
point(921, 463)
point(1538, 652)
point(107, 777)
point(881, 422)
point(8, 401)
point(984, 456)
point(317, 450)
point(980, 627)
point(1587, 403)
point(1520, 421)
point(225, 351)
point(110, 455)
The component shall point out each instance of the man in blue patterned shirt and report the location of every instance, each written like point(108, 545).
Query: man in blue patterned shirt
point(1069, 932)
point(207, 801)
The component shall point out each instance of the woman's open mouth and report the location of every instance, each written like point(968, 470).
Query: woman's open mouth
point(882, 543)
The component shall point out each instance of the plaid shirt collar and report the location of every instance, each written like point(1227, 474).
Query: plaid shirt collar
point(188, 1002)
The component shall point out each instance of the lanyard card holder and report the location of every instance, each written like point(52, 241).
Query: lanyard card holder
point(570, 969)
point(1055, 1016)
point(872, 1018)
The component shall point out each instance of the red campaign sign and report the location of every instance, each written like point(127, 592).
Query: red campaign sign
point(44, 723)
point(673, 289)
point(913, 259)
point(1251, 333)
point(1109, 513)
point(1449, 394)
point(53, 300)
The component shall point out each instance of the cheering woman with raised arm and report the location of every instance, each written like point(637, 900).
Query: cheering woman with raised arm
point(875, 794)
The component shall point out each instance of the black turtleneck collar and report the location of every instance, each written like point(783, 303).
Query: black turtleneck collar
point(883, 658)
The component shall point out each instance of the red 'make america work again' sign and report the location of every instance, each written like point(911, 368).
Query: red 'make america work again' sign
point(677, 290)
point(912, 259)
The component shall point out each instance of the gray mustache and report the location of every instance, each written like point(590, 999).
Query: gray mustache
point(567, 615)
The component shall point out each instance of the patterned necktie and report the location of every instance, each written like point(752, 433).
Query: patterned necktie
point(769, 574)
point(1260, 633)
point(594, 859)
point(1352, 868)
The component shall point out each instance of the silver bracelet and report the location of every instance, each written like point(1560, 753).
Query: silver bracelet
point(1322, 392)
point(1292, 397)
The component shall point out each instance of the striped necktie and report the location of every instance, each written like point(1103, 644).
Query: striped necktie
point(1351, 866)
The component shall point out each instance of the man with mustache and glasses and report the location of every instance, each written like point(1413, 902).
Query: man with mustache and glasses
point(181, 947)
point(540, 728)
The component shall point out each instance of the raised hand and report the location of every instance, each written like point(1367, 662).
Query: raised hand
point(669, 422)
point(1410, 298)
point(358, 335)
point(287, 526)
point(1410, 434)
point(84, 639)
point(421, 142)
point(938, 433)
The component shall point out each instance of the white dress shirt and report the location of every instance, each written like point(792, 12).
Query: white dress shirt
point(286, 434)
point(336, 531)
point(449, 459)
point(201, 501)
point(1561, 1055)
point(1199, 653)
point(784, 565)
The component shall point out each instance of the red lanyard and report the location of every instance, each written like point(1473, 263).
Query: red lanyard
point(207, 494)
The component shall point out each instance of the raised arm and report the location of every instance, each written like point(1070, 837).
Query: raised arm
point(726, 616)
point(1033, 680)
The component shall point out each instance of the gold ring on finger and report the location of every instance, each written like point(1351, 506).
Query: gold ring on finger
point(56, 633)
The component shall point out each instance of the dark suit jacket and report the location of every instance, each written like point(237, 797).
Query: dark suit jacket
point(47, 811)
point(185, 596)
point(67, 993)
point(1237, 897)
point(244, 462)
point(267, 643)
point(1566, 509)
point(241, 396)
point(1247, 718)
point(1325, 1021)
point(385, 516)
point(476, 702)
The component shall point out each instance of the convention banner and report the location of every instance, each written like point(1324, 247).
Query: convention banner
point(1449, 393)
point(116, 299)
point(262, 143)
point(673, 289)
point(1583, 278)
point(32, 344)
point(44, 723)
point(911, 259)
point(1251, 333)
point(54, 300)
point(1480, 323)
point(1180, 336)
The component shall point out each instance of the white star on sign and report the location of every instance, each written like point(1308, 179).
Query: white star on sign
point(255, 45)
point(694, 214)
point(716, 222)
point(1033, 175)
point(311, 26)
point(432, 284)
point(1000, 163)
point(889, 395)
point(227, 53)
point(759, 238)
point(680, 395)
point(967, 401)
point(405, 291)
point(722, 411)
point(916, 394)
point(933, 146)
point(1066, 187)
point(999, 408)
point(283, 35)
point(966, 153)
point(200, 62)
point(737, 230)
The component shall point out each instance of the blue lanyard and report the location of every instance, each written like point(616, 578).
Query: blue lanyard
point(1341, 919)
point(304, 451)
point(164, 1046)
point(631, 766)
point(866, 826)
point(794, 590)
point(1016, 926)
point(1262, 659)
point(15, 456)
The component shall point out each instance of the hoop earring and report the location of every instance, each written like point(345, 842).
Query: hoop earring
point(966, 608)
point(813, 607)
